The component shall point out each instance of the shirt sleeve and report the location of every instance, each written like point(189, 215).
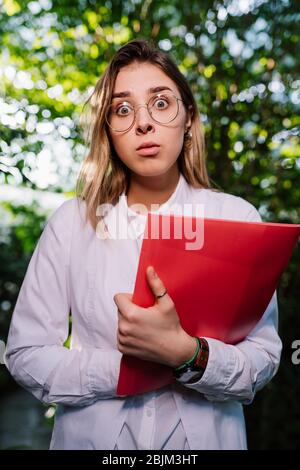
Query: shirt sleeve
point(238, 372)
point(35, 353)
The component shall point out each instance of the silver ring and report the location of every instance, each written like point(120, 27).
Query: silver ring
point(161, 295)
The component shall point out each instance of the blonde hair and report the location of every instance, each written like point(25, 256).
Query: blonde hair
point(103, 176)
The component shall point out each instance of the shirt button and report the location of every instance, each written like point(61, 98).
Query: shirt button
point(149, 413)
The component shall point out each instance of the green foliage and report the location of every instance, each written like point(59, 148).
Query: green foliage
point(243, 66)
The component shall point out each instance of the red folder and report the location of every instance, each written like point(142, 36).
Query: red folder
point(220, 290)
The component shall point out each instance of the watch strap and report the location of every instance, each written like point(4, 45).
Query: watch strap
point(192, 372)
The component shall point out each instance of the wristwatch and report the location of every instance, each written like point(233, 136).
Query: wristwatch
point(193, 372)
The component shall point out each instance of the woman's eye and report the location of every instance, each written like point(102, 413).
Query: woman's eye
point(123, 110)
point(161, 103)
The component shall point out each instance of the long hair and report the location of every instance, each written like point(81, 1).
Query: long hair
point(103, 176)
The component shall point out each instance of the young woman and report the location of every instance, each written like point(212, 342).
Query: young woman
point(146, 148)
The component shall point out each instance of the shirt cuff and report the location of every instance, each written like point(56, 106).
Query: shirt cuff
point(104, 372)
point(219, 368)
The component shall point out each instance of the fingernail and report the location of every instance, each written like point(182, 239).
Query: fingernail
point(154, 275)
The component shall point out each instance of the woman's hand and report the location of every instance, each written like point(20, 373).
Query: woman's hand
point(154, 333)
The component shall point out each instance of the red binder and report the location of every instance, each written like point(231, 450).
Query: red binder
point(220, 290)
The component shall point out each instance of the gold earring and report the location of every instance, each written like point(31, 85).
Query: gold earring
point(188, 134)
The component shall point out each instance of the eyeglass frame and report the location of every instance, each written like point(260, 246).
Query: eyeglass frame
point(135, 109)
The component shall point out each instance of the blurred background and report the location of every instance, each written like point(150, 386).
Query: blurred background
point(242, 61)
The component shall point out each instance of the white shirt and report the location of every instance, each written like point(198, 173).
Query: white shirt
point(72, 269)
point(153, 421)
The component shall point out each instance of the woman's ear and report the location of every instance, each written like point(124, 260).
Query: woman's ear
point(189, 116)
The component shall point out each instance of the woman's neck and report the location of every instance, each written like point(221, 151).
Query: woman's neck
point(152, 190)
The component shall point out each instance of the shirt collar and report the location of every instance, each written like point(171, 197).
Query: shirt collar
point(137, 221)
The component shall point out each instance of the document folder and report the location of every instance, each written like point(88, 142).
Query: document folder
point(220, 290)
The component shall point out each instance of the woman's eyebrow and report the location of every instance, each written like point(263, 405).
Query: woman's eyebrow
point(123, 94)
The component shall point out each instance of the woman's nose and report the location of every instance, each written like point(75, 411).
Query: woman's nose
point(143, 118)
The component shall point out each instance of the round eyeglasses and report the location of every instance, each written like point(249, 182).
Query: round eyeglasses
point(162, 107)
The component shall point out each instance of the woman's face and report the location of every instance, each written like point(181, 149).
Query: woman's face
point(137, 79)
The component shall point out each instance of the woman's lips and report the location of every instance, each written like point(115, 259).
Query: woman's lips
point(149, 150)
